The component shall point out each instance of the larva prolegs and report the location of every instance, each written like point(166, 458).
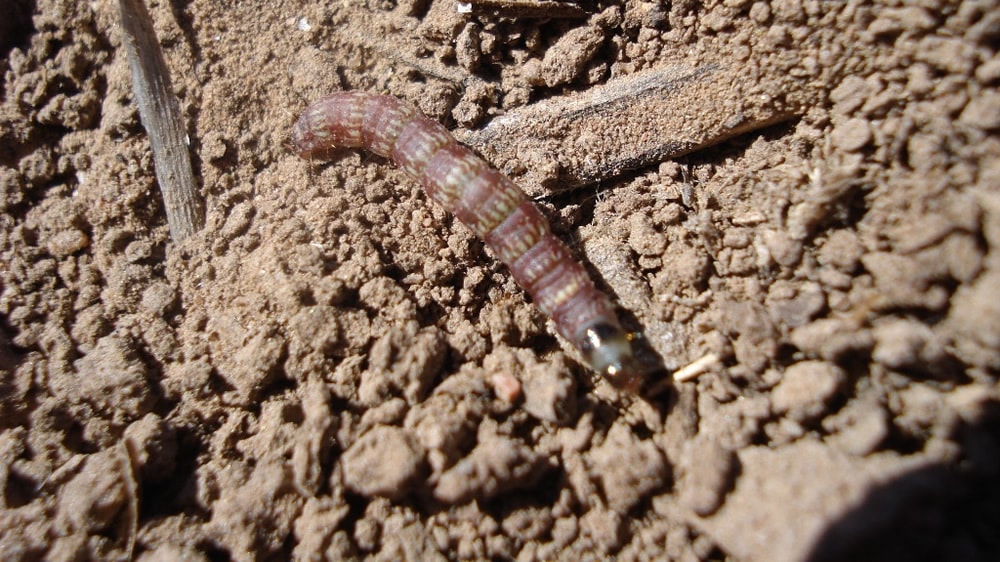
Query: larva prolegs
point(490, 205)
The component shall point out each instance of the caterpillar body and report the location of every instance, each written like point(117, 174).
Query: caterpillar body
point(488, 203)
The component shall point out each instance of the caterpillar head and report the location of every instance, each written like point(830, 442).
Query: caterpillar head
point(609, 351)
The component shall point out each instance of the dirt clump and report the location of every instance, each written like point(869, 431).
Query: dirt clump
point(335, 368)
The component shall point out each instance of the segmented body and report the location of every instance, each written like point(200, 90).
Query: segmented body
point(487, 202)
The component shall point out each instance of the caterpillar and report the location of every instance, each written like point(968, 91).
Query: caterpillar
point(489, 204)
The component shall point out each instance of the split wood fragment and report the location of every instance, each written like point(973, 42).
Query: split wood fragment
point(161, 116)
point(627, 123)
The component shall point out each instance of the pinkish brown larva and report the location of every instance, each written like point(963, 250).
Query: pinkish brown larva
point(487, 202)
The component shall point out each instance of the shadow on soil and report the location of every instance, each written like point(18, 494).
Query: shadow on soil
point(941, 512)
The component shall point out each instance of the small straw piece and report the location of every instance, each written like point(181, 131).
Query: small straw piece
point(161, 116)
point(698, 367)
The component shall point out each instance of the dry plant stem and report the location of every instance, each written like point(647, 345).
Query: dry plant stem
point(161, 116)
point(526, 9)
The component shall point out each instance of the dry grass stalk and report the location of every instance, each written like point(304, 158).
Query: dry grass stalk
point(161, 116)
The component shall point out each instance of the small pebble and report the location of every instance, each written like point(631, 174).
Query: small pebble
point(859, 428)
point(566, 59)
point(153, 447)
point(783, 248)
point(831, 338)
point(905, 344)
point(983, 112)
point(852, 135)
point(506, 387)
point(68, 242)
point(989, 71)
point(950, 54)
point(805, 388)
point(385, 461)
point(707, 471)
point(630, 469)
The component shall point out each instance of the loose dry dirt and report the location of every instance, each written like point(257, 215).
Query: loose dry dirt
point(334, 368)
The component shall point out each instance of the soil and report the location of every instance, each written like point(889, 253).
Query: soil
point(334, 368)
